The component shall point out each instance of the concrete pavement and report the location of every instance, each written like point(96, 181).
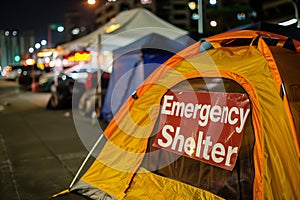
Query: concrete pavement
point(40, 150)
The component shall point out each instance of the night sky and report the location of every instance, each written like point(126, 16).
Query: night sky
point(34, 15)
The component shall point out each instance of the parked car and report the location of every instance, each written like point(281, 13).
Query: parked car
point(28, 76)
point(78, 72)
point(14, 74)
point(46, 81)
point(65, 93)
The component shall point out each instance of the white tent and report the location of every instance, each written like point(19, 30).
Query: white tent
point(127, 27)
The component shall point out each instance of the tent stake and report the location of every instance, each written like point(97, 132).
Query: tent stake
point(85, 160)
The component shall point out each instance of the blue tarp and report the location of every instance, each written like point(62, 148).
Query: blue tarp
point(132, 65)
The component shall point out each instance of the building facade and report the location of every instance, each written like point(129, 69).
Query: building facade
point(14, 47)
point(208, 18)
point(185, 14)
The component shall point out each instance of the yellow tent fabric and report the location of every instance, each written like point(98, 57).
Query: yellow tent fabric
point(117, 169)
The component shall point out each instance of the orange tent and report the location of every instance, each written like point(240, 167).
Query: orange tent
point(214, 123)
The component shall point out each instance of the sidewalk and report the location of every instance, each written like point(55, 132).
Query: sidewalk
point(40, 150)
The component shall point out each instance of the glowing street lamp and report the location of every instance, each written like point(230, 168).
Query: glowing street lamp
point(192, 5)
point(91, 2)
point(31, 50)
point(17, 58)
point(37, 45)
point(213, 23)
point(60, 29)
point(213, 2)
point(6, 33)
point(43, 42)
point(75, 31)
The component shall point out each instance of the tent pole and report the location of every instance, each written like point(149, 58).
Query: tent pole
point(85, 160)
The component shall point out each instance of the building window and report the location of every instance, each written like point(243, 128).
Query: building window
point(179, 6)
point(179, 16)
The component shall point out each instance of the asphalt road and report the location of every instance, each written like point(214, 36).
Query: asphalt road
point(40, 150)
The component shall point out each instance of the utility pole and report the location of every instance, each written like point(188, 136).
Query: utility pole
point(49, 36)
point(200, 14)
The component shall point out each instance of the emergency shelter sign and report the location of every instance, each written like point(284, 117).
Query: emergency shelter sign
point(206, 126)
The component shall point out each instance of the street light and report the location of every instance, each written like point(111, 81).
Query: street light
point(60, 29)
point(212, 2)
point(31, 50)
point(17, 58)
point(91, 2)
point(37, 45)
point(43, 42)
point(213, 23)
point(75, 31)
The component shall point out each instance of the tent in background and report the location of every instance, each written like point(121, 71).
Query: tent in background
point(125, 28)
point(219, 124)
point(132, 65)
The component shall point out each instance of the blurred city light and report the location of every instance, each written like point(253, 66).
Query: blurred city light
point(43, 42)
point(64, 77)
point(91, 2)
point(31, 50)
point(51, 63)
point(30, 61)
point(17, 58)
point(212, 2)
point(195, 16)
point(192, 5)
point(106, 53)
point(146, 2)
point(241, 16)
point(213, 23)
point(112, 28)
point(44, 54)
point(14, 33)
point(37, 45)
point(6, 33)
point(75, 31)
point(289, 22)
point(83, 29)
point(60, 29)
point(47, 60)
